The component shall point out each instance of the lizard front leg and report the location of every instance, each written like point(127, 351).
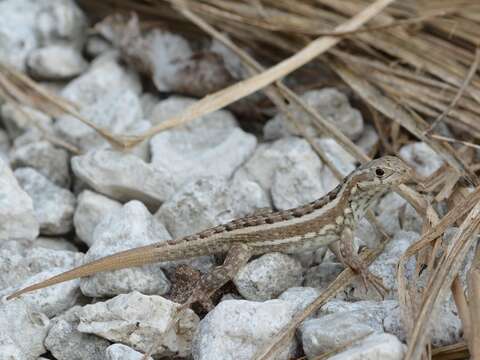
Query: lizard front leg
point(236, 258)
point(346, 253)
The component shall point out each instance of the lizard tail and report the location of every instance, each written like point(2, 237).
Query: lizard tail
point(129, 258)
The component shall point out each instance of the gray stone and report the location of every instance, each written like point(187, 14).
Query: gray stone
point(22, 330)
point(103, 77)
point(149, 102)
point(123, 352)
point(61, 21)
point(209, 145)
point(18, 262)
point(140, 321)
point(288, 168)
point(51, 300)
point(374, 347)
point(45, 158)
point(320, 276)
point(268, 276)
point(385, 266)
point(329, 103)
point(207, 202)
point(126, 228)
point(236, 329)
point(54, 243)
point(421, 157)
point(18, 119)
point(368, 140)
point(300, 296)
point(17, 217)
point(395, 213)
point(123, 177)
point(53, 205)
point(65, 342)
point(4, 145)
point(97, 45)
point(56, 62)
point(91, 209)
point(114, 111)
point(17, 31)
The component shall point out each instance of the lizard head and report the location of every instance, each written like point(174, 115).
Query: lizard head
point(382, 173)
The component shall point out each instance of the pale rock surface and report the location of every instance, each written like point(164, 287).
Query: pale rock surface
point(17, 120)
point(236, 329)
point(53, 205)
point(321, 275)
point(140, 321)
point(4, 145)
point(18, 262)
point(123, 177)
point(123, 352)
point(368, 140)
point(54, 243)
point(396, 214)
point(374, 347)
point(115, 111)
point(56, 62)
point(289, 169)
point(90, 210)
point(385, 265)
point(329, 103)
point(421, 157)
point(52, 300)
point(65, 342)
point(22, 329)
point(104, 76)
point(207, 202)
point(301, 297)
point(126, 228)
point(45, 158)
point(267, 276)
point(17, 216)
point(96, 45)
point(209, 145)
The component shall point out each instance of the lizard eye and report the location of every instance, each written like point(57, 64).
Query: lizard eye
point(379, 172)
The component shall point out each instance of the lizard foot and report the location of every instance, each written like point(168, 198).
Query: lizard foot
point(374, 281)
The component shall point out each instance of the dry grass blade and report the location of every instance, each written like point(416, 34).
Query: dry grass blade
point(246, 87)
point(442, 279)
point(457, 351)
point(468, 78)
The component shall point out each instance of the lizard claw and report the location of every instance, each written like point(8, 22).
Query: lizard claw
point(374, 281)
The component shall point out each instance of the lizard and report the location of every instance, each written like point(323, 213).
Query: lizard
point(327, 220)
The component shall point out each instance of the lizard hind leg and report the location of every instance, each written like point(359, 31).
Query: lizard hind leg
point(236, 258)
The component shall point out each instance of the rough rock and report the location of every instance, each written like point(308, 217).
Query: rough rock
point(17, 31)
point(22, 330)
point(320, 276)
point(90, 210)
point(207, 202)
point(395, 213)
point(374, 347)
point(45, 158)
point(123, 177)
point(17, 217)
point(209, 145)
point(123, 352)
point(104, 76)
point(53, 205)
point(300, 296)
point(114, 111)
point(51, 300)
point(126, 228)
point(385, 266)
point(54, 243)
point(4, 145)
point(17, 120)
point(139, 321)
point(267, 276)
point(368, 140)
point(236, 329)
point(290, 161)
point(421, 157)
point(18, 262)
point(56, 62)
point(65, 342)
point(329, 103)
